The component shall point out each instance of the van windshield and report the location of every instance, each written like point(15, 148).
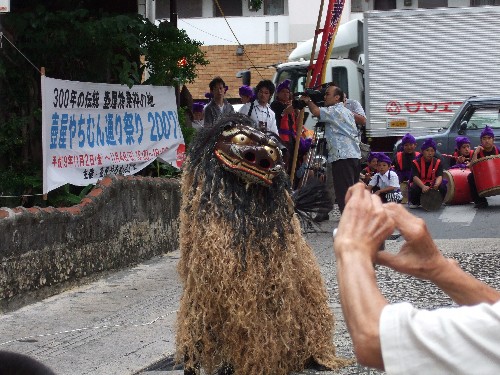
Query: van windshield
point(481, 117)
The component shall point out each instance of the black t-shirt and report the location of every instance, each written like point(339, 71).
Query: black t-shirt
point(407, 161)
point(415, 172)
point(494, 151)
point(278, 108)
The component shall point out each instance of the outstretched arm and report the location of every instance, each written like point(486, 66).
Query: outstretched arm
point(312, 107)
point(361, 300)
point(420, 257)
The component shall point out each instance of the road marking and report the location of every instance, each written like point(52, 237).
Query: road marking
point(458, 214)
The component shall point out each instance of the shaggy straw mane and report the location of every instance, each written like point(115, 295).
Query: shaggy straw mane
point(253, 296)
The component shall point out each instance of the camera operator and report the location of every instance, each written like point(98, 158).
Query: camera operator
point(341, 136)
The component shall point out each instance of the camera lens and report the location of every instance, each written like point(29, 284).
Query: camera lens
point(298, 104)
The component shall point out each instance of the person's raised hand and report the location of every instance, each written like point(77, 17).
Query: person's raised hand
point(419, 255)
point(364, 224)
point(288, 110)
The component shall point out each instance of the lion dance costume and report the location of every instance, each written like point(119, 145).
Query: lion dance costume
point(254, 301)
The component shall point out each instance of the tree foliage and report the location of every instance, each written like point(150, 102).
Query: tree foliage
point(79, 45)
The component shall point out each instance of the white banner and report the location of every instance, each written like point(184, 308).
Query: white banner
point(91, 130)
point(4, 6)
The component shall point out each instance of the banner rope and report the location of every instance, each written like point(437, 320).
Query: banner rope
point(2, 36)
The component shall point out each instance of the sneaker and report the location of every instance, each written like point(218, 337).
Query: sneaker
point(411, 205)
point(482, 204)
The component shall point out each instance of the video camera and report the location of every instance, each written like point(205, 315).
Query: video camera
point(317, 96)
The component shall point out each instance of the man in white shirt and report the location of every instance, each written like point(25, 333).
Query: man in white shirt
point(259, 110)
point(398, 337)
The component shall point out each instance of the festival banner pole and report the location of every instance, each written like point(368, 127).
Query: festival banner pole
point(42, 74)
point(316, 72)
point(300, 120)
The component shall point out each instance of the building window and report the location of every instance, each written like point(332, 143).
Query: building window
point(384, 4)
point(185, 9)
point(229, 7)
point(274, 7)
point(432, 4)
point(480, 3)
point(356, 6)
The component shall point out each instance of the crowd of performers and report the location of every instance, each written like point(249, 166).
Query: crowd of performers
point(404, 179)
point(422, 172)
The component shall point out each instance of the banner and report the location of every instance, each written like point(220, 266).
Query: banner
point(91, 130)
point(332, 22)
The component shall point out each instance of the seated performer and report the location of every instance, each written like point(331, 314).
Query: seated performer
point(385, 183)
point(463, 154)
point(427, 172)
point(197, 122)
point(487, 148)
point(369, 171)
point(404, 159)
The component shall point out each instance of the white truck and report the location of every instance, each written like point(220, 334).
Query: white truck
point(410, 69)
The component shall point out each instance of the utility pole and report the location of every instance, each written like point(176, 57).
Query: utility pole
point(173, 13)
point(151, 11)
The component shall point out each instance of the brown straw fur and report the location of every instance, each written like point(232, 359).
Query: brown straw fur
point(255, 301)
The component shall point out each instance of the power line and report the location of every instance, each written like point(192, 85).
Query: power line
point(235, 37)
point(203, 31)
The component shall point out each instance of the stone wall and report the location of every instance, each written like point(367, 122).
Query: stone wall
point(122, 221)
point(225, 63)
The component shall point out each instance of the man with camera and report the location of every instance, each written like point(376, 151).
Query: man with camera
point(341, 136)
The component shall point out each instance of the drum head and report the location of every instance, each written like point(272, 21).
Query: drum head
point(431, 201)
point(450, 192)
point(403, 186)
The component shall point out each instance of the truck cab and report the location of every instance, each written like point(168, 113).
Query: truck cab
point(344, 66)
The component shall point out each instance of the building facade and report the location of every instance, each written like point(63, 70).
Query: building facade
point(234, 22)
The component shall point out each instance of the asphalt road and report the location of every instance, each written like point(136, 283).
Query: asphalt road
point(124, 323)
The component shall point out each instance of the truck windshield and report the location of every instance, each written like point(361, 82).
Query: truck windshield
point(297, 77)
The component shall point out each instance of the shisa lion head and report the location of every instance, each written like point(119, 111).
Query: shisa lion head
point(233, 148)
point(248, 153)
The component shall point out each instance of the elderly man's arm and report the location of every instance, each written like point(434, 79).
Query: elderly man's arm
point(361, 300)
point(420, 257)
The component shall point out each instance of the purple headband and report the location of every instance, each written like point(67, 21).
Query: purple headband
point(429, 142)
point(487, 132)
point(460, 141)
point(383, 158)
point(371, 156)
point(283, 85)
point(198, 106)
point(408, 138)
point(246, 91)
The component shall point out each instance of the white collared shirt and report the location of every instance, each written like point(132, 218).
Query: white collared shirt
point(261, 113)
point(389, 178)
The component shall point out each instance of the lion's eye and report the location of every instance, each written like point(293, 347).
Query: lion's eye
point(241, 139)
point(272, 152)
